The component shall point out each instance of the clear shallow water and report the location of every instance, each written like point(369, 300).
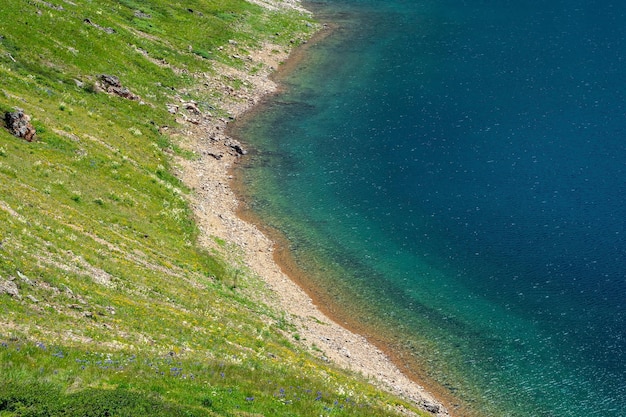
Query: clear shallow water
point(453, 172)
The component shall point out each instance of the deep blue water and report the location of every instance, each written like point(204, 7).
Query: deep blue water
point(455, 171)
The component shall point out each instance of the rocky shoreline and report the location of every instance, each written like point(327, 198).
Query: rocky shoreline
point(216, 206)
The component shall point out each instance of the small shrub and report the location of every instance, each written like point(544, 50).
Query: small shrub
point(90, 88)
point(202, 53)
point(207, 402)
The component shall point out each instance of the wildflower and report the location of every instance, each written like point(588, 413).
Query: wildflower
point(319, 396)
point(40, 345)
point(249, 399)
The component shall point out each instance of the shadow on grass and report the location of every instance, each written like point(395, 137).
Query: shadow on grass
point(40, 399)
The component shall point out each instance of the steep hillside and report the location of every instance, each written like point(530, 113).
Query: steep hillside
point(108, 304)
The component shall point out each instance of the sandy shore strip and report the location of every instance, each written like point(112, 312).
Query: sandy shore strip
point(216, 206)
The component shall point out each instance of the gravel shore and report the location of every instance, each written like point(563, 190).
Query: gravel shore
point(216, 209)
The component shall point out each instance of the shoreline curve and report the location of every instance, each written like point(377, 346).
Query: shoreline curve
point(221, 215)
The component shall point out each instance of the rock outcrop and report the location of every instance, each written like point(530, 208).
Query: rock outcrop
point(19, 125)
point(110, 31)
point(112, 85)
point(9, 287)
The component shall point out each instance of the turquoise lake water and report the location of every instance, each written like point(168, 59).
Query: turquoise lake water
point(454, 173)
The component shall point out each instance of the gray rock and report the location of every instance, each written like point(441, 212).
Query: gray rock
point(110, 31)
point(142, 15)
point(431, 407)
point(193, 107)
point(110, 80)
point(19, 125)
point(239, 149)
point(112, 85)
point(9, 287)
point(25, 278)
point(236, 146)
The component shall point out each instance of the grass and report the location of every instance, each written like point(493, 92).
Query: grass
point(119, 311)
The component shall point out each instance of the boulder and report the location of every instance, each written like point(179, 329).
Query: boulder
point(19, 125)
point(236, 146)
point(431, 407)
point(112, 85)
point(9, 287)
point(239, 149)
point(110, 80)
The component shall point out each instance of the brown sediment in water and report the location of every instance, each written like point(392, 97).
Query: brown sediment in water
point(387, 342)
point(321, 299)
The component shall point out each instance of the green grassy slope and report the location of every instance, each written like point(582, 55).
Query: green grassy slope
point(109, 307)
